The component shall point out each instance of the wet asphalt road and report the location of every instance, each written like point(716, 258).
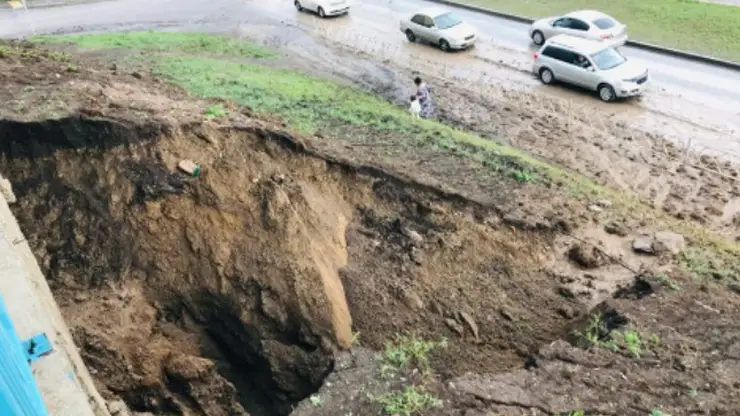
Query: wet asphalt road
point(698, 99)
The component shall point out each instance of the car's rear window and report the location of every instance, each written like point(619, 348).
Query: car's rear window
point(604, 23)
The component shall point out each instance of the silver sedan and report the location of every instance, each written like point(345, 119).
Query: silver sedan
point(589, 24)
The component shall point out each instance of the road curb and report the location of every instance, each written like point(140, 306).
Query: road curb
point(641, 45)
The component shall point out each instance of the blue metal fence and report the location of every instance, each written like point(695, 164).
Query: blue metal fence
point(19, 395)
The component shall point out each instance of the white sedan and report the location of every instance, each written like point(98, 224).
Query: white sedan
point(439, 27)
point(323, 8)
point(589, 24)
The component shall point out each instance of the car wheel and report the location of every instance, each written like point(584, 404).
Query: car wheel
point(444, 45)
point(410, 35)
point(546, 76)
point(538, 38)
point(606, 93)
point(298, 6)
point(321, 12)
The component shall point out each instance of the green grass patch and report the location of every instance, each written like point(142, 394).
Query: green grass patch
point(408, 351)
point(684, 24)
point(18, 51)
point(597, 335)
point(710, 264)
point(174, 42)
point(667, 282)
point(412, 400)
point(215, 111)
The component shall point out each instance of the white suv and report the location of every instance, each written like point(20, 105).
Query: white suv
point(589, 64)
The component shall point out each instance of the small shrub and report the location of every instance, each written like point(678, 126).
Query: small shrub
point(408, 350)
point(215, 111)
point(522, 176)
point(667, 282)
point(316, 400)
point(411, 401)
point(633, 342)
point(597, 334)
point(356, 339)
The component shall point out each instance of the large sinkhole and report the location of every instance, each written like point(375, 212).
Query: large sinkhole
point(230, 292)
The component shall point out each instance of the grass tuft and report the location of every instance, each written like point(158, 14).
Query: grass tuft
point(705, 264)
point(215, 111)
point(667, 282)
point(408, 351)
point(412, 400)
point(173, 42)
point(23, 52)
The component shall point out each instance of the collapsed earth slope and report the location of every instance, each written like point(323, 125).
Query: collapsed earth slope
point(234, 292)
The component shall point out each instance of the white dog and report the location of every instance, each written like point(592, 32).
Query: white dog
point(415, 107)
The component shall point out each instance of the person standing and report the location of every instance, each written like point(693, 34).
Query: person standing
point(424, 95)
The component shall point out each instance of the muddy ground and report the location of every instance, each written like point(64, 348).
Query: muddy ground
point(663, 163)
point(231, 293)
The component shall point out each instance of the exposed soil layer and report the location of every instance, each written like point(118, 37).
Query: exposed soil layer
point(155, 270)
point(233, 291)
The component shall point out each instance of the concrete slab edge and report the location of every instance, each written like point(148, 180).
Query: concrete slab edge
point(642, 45)
point(11, 230)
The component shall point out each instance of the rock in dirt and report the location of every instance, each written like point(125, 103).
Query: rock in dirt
point(416, 256)
point(643, 244)
point(6, 190)
point(273, 308)
point(412, 300)
point(521, 221)
point(588, 257)
point(603, 203)
point(595, 208)
point(661, 242)
point(566, 312)
point(415, 237)
point(118, 408)
point(566, 292)
point(199, 378)
point(455, 326)
point(669, 242)
point(470, 322)
point(617, 228)
point(734, 287)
